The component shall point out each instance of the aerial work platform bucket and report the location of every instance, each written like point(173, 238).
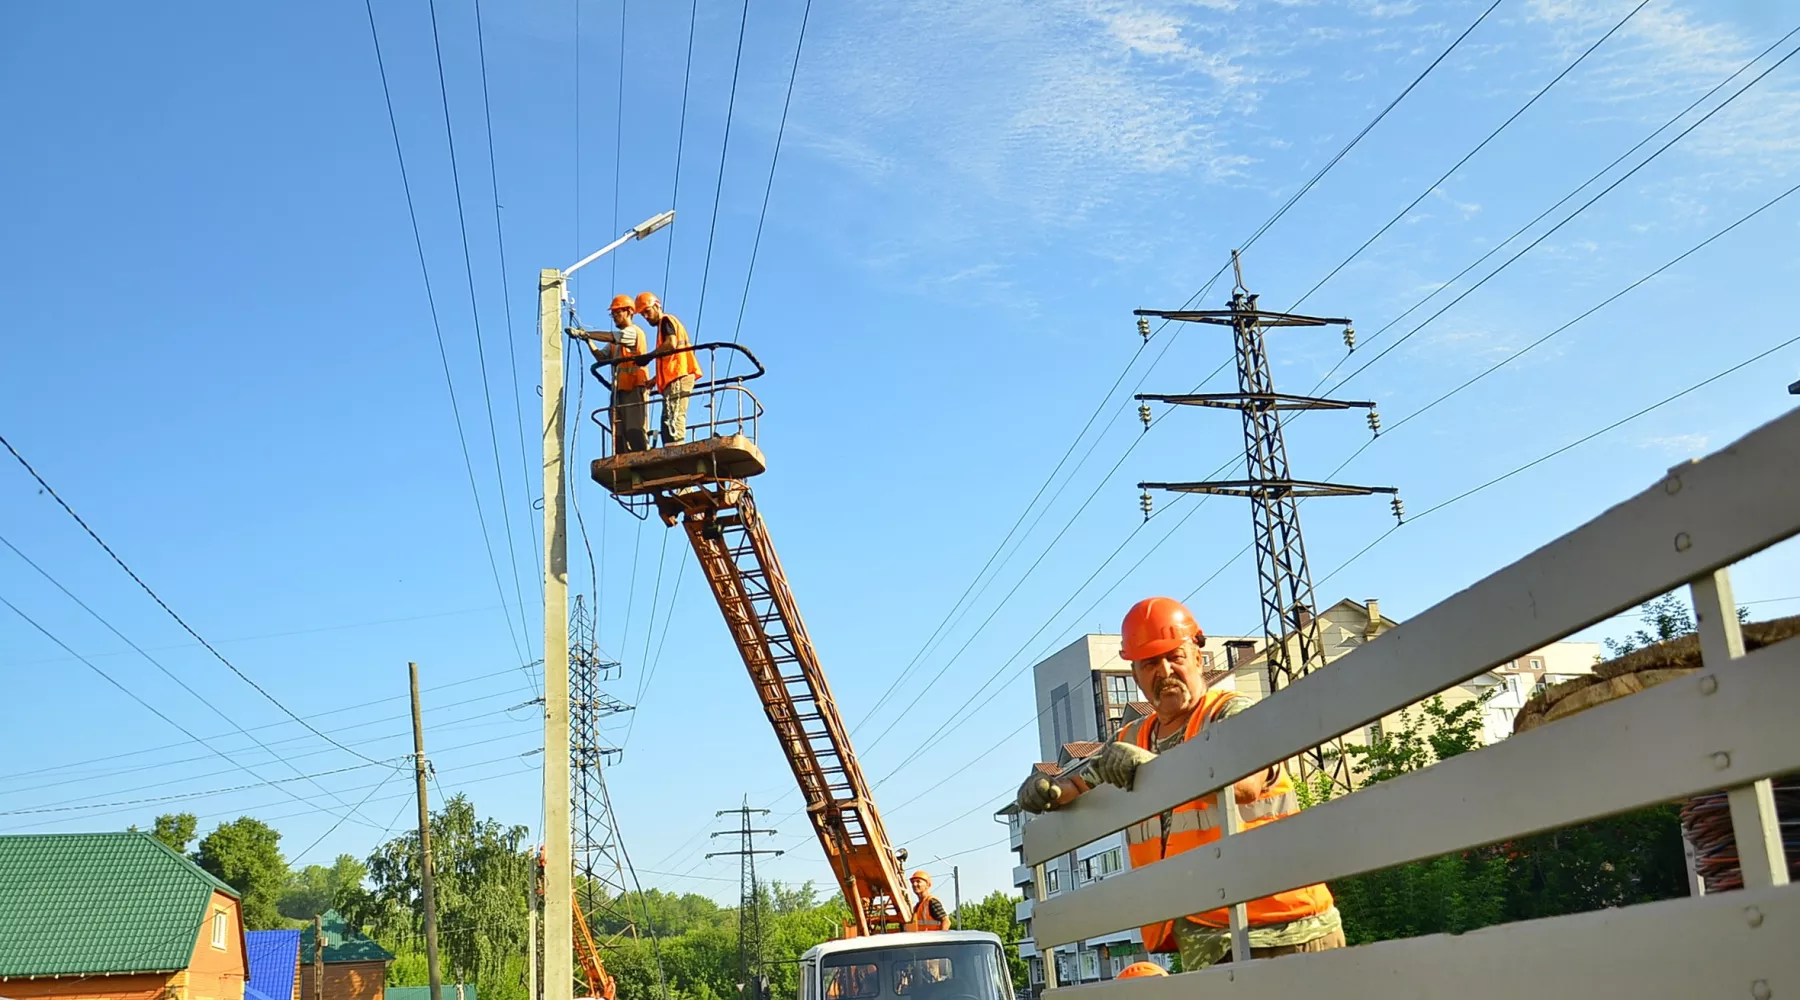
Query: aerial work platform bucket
point(720, 443)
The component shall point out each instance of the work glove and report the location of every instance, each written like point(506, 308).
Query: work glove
point(1038, 794)
point(1117, 763)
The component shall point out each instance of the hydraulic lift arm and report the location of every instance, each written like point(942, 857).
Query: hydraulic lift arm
point(739, 561)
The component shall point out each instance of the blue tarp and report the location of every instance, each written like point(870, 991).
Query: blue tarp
point(274, 964)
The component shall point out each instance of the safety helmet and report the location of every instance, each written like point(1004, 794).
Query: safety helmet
point(647, 299)
point(1136, 969)
point(621, 302)
point(922, 875)
point(1156, 625)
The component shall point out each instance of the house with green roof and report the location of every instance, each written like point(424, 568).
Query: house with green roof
point(355, 966)
point(119, 916)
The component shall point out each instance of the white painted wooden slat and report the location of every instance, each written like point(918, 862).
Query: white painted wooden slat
point(1730, 946)
point(1702, 516)
point(1696, 734)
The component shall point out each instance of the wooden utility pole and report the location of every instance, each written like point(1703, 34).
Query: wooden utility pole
point(318, 958)
point(559, 877)
point(425, 875)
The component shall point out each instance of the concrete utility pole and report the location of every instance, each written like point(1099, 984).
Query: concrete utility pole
point(426, 879)
point(559, 873)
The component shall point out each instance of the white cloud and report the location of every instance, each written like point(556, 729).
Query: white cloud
point(1683, 445)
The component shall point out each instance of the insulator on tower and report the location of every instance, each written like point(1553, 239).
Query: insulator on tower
point(1374, 422)
point(1145, 504)
point(1399, 508)
point(1350, 338)
point(1144, 327)
point(1144, 414)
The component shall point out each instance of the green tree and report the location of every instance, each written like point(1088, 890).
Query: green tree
point(315, 889)
point(246, 855)
point(175, 830)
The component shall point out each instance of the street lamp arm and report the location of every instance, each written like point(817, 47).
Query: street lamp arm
point(637, 232)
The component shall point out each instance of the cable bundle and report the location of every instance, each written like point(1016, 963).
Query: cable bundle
point(1706, 823)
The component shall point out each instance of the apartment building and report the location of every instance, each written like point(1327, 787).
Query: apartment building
point(1084, 694)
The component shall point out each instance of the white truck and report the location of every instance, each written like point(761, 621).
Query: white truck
point(912, 965)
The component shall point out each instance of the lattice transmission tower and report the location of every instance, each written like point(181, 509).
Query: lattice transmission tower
point(753, 983)
point(599, 851)
point(1293, 644)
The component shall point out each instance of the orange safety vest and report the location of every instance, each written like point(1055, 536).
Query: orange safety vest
point(631, 376)
point(1197, 822)
point(674, 366)
point(922, 916)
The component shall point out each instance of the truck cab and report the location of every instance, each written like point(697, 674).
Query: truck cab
point(922, 965)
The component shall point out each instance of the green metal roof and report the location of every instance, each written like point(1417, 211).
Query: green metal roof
point(342, 942)
point(90, 903)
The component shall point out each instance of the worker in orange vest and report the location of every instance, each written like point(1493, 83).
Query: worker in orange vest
point(675, 373)
point(929, 914)
point(631, 382)
point(1162, 641)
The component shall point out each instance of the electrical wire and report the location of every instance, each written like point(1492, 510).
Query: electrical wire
point(687, 75)
point(619, 136)
point(166, 672)
point(762, 214)
point(1458, 165)
point(512, 331)
point(1572, 215)
point(158, 712)
point(160, 603)
point(438, 329)
point(487, 391)
point(724, 148)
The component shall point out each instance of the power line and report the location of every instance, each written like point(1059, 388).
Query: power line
point(270, 725)
point(158, 712)
point(438, 329)
point(1433, 186)
point(487, 393)
point(166, 672)
point(512, 352)
point(687, 75)
point(724, 148)
point(160, 603)
point(774, 159)
point(1578, 211)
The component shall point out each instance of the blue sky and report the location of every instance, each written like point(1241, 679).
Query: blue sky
point(220, 352)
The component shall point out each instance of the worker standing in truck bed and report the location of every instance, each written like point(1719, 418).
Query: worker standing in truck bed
point(1161, 639)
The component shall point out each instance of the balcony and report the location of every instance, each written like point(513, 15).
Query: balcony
point(1022, 910)
point(1021, 876)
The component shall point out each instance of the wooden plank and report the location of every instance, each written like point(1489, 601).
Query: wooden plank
point(1703, 515)
point(1713, 729)
point(1733, 946)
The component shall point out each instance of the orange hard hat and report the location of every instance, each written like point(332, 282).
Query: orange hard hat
point(621, 302)
point(1154, 626)
point(1137, 969)
point(645, 300)
point(923, 875)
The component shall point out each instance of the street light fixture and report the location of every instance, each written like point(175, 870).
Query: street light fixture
point(637, 232)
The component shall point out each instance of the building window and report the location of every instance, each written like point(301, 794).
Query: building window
point(1205, 661)
point(1537, 663)
point(1112, 861)
point(1052, 880)
point(1118, 688)
point(1090, 965)
point(1037, 969)
point(218, 935)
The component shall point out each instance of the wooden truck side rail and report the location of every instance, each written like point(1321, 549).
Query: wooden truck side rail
point(1731, 725)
